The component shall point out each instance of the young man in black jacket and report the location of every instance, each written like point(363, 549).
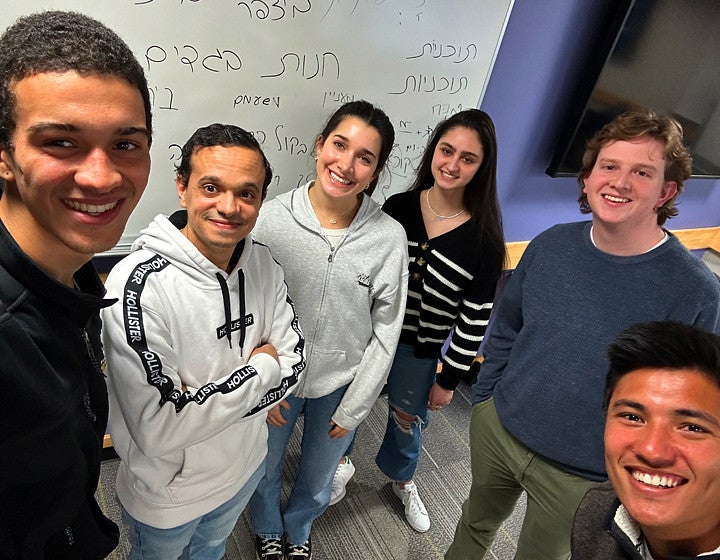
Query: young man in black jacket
point(662, 450)
point(75, 132)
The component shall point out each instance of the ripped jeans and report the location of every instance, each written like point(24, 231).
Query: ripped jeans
point(408, 388)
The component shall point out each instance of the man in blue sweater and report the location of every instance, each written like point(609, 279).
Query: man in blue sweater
point(537, 420)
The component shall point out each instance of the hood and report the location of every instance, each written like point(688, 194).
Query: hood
point(163, 237)
point(297, 202)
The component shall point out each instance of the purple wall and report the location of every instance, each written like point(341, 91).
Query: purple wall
point(534, 74)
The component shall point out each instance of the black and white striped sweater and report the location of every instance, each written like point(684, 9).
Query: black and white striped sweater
point(451, 286)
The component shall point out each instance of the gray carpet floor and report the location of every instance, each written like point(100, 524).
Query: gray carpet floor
point(369, 522)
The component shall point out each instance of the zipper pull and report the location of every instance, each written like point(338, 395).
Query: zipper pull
point(87, 405)
point(91, 354)
point(69, 536)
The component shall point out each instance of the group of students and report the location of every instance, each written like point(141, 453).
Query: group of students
point(237, 316)
point(212, 336)
point(190, 464)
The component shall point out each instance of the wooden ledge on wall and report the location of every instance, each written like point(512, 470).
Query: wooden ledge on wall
point(693, 239)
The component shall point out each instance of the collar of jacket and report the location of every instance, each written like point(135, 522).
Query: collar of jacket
point(632, 549)
point(297, 201)
point(79, 304)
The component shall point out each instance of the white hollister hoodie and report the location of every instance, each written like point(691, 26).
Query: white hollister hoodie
point(187, 401)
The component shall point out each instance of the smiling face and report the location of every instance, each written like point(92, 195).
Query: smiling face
point(78, 165)
point(457, 157)
point(662, 453)
point(627, 184)
point(347, 159)
point(223, 197)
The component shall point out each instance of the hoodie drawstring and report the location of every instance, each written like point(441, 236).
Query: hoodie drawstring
point(241, 294)
point(226, 306)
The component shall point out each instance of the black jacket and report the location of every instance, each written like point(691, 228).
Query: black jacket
point(595, 536)
point(53, 412)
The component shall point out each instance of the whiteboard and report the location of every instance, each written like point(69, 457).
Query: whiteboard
point(279, 68)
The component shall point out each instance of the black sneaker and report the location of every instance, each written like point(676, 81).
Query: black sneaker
point(268, 549)
point(299, 551)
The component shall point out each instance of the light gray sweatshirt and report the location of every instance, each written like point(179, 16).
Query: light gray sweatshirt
point(350, 300)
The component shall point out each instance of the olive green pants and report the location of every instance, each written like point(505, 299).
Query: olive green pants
point(502, 468)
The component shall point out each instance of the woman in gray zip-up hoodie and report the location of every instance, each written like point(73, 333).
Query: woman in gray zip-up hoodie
point(345, 264)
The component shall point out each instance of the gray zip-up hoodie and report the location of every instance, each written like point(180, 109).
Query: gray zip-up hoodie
point(350, 300)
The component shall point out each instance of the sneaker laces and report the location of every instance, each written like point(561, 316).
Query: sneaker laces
point(299, 550)
point(416, 504)
point(271, 546)
point(336, 477)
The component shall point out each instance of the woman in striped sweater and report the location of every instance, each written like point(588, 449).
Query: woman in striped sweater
point(457, 251)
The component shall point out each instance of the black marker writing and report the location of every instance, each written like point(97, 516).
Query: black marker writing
point(167, 96)
point(459, 52)
point(291, 144)
point(256, 101)
point(432, 84)
point(305, 67)
point(337, 98)
point(276, 11)
point(217, 61)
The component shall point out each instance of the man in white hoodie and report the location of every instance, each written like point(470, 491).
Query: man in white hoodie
point(204, 342)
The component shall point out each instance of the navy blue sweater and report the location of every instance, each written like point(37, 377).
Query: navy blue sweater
point(545, 358)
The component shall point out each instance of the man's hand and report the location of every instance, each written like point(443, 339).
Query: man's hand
point(275, 417)
point(266, 348)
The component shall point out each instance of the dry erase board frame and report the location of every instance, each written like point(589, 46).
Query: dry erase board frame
point(279, 68)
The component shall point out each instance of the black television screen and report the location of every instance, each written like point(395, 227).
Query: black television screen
point(662, 55)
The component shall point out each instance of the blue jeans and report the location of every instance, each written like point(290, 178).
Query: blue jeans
point(318, 461)
point(200, 539)
point(408, 389)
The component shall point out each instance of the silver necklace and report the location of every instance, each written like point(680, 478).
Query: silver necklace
point(438, 216)
point(334, 221)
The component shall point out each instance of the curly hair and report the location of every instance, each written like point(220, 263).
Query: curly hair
point(61, 41)
point(632, 126)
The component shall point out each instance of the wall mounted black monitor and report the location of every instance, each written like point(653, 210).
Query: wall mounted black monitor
point(654, 54)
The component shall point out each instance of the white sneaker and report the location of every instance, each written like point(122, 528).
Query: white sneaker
point(343, 474)
point(415, 511)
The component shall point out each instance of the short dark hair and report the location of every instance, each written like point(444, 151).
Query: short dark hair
point(373, 116)
point(220, 135)
point(662, 345)
point(633, 126)
point(58, 41)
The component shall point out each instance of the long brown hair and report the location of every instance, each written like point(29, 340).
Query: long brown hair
point(480, 195)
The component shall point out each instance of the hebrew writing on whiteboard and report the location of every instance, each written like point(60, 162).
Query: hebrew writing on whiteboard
point(279, 68)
